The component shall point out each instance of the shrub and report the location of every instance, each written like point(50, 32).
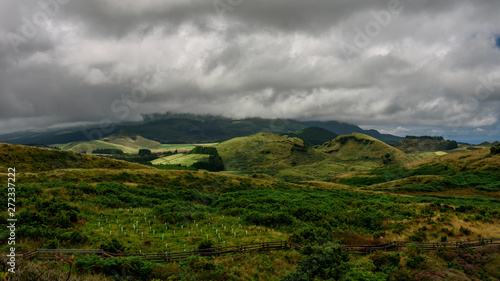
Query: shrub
point(325, 263)
point(444, 238)
point(113, 246)
point(415, 262)
point(206, 244)
point(465, 231)
point(130, 268)
point(495, 150)
point(381, 259)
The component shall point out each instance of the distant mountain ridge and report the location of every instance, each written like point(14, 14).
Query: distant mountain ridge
point(189, 128)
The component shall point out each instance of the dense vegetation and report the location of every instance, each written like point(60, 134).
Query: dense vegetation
point(426, 143)
point(495, 150)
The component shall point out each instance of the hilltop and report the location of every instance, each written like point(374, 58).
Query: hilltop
point(31, 159)
point(125, 141)
point(265, 152)
point(358, 146)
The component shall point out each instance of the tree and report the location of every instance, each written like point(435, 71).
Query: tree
point(495, 150)
point(144, 152)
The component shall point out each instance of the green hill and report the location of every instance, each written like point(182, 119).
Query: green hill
point(362, 147)
point(314, 135)
point(125, 141)
point(266, 152)
point(32, 159)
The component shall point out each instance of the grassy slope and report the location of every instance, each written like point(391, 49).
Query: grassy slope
point(128, 143)
point(470, 160)
point(31, 159)
point(182, 159)
point(266, 152)
point(292, 160)
point(359, 146)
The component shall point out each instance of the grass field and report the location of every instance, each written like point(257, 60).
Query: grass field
point(181, 159)
point(423, 155)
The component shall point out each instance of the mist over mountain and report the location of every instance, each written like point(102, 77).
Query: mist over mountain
point(189, 128)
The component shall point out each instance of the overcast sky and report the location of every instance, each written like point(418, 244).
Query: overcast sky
point(403, 67)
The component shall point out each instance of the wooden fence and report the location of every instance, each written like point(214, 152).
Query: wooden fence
point(396, 245)
point(53, 254)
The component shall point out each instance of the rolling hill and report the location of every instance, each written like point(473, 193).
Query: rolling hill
point(266, 152)
point(31, 159)
point(357, 146)
point(127, 142)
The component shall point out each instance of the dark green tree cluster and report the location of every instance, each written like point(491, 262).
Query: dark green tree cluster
point(448, 145)
point(437, 138)
point(107, 151)
point(144, 152)
point(495, 150)
point(214, 162)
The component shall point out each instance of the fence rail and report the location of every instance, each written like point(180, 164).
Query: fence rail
point(53, 254)
point(395, 245)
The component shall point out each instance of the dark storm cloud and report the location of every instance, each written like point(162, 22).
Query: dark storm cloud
point(377, 63)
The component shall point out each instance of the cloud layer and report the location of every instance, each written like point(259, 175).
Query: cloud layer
point(385, 64)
